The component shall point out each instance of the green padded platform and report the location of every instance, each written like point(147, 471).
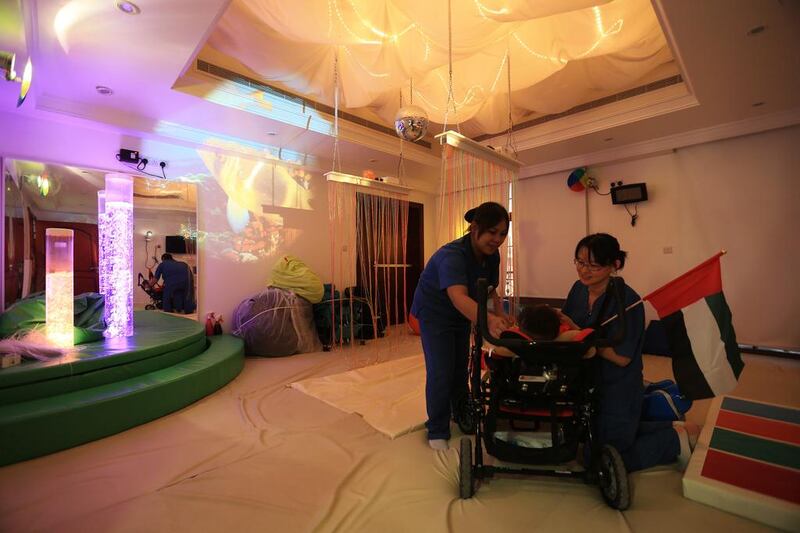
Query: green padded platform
point(37, 427)
point(159, 341)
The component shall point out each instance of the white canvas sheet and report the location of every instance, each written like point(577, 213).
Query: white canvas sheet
point(389, 396)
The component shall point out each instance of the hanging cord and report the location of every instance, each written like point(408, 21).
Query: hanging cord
point(635, 215)
point(450, 97)
point(510, 142)
point(336, 164)
point(401, 169)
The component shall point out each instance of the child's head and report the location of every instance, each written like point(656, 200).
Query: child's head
point(539, 322)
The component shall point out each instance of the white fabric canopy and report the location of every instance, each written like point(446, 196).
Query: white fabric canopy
point(562, 53)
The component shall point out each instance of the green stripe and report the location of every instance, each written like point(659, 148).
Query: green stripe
point(722, 314)
point(764, 410)
point(778, 453)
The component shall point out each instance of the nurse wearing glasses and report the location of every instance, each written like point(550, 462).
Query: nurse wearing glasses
point(641, 444)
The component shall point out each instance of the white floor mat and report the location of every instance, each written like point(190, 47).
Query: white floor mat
point(389, 396)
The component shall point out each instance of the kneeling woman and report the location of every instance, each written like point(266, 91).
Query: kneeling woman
point(445, 305)
point(641, 444)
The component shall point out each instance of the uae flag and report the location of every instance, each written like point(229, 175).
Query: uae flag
point(705, 356)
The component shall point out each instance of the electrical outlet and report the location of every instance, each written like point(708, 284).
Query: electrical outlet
point(668, 249)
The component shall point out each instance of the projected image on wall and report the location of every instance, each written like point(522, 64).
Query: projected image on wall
point(260, 193)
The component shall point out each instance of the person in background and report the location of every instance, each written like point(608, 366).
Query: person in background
point(641, 444)
point(176, 276)
point(445, 305)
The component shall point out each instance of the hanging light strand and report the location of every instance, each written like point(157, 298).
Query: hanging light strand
point(510, 142)
point(451, 100)
point(336, 164)
point(401, 169)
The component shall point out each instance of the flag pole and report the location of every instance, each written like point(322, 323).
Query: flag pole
point(634, 304)
point(641, 300)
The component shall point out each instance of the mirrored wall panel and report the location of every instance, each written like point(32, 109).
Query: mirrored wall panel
point(39, 196)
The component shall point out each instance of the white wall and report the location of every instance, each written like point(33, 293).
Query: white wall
point(223, 281)
point(737, 194)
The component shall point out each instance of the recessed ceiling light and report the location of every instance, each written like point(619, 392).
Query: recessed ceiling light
point(758, 104)
point(756, 30)
point(102, 89)
point(129, 8)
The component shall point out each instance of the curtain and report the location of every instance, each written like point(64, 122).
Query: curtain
point(368, 239)
point(468, 180)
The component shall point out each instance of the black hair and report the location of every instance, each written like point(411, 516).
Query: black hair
point(603, 249)
point(539, 322)
point(166, 257)
point(486, 216)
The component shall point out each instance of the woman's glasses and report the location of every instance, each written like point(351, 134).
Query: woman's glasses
point(591, 267)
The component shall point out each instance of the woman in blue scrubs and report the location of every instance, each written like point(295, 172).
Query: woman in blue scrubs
point(445, 305)
point(641, 444)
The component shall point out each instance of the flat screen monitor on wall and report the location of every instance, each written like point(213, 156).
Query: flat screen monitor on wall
point(175, 244)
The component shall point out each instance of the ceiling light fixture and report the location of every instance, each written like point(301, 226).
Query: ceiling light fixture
point(102, 89)
point(7, 60)
point(129, 8)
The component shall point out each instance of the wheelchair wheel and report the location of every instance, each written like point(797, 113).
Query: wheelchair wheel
point(149, 307)
point(465, 481)
point(613, 479)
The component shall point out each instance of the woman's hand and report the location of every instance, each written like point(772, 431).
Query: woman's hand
point(497, 324)
point(566, 320)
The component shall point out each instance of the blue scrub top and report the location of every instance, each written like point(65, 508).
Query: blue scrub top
point(577, 308)
point(175, 273)
point(452, 264)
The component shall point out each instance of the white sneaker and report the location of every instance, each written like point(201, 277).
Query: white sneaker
point(686, 448)
point(438, 444)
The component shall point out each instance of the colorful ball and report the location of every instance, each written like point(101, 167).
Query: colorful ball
point(577, 179)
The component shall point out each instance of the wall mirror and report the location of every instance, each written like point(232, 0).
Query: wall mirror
point(43, 195)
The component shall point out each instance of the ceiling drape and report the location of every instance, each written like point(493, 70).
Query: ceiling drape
point(561, 52)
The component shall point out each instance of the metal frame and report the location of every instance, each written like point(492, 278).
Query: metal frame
point(457, 140)
point(341, 177)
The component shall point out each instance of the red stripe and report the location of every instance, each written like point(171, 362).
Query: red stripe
point(762, 427)
point(701, 281)
point(759, 477)
point(561, 412)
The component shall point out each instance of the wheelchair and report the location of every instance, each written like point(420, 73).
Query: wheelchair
point(536, 407)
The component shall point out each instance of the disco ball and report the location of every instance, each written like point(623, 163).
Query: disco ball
point(411, 123)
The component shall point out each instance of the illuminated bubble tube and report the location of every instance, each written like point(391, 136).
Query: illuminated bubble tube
point(116, 260)
point(59, 286)
point(102, 246)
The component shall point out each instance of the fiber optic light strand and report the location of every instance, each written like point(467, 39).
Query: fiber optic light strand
point(482, 9)
point(367, 24)
point(335, 5)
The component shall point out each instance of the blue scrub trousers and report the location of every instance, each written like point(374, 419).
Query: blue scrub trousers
point(446, 351)
point(173, 296)
point(641, 444)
